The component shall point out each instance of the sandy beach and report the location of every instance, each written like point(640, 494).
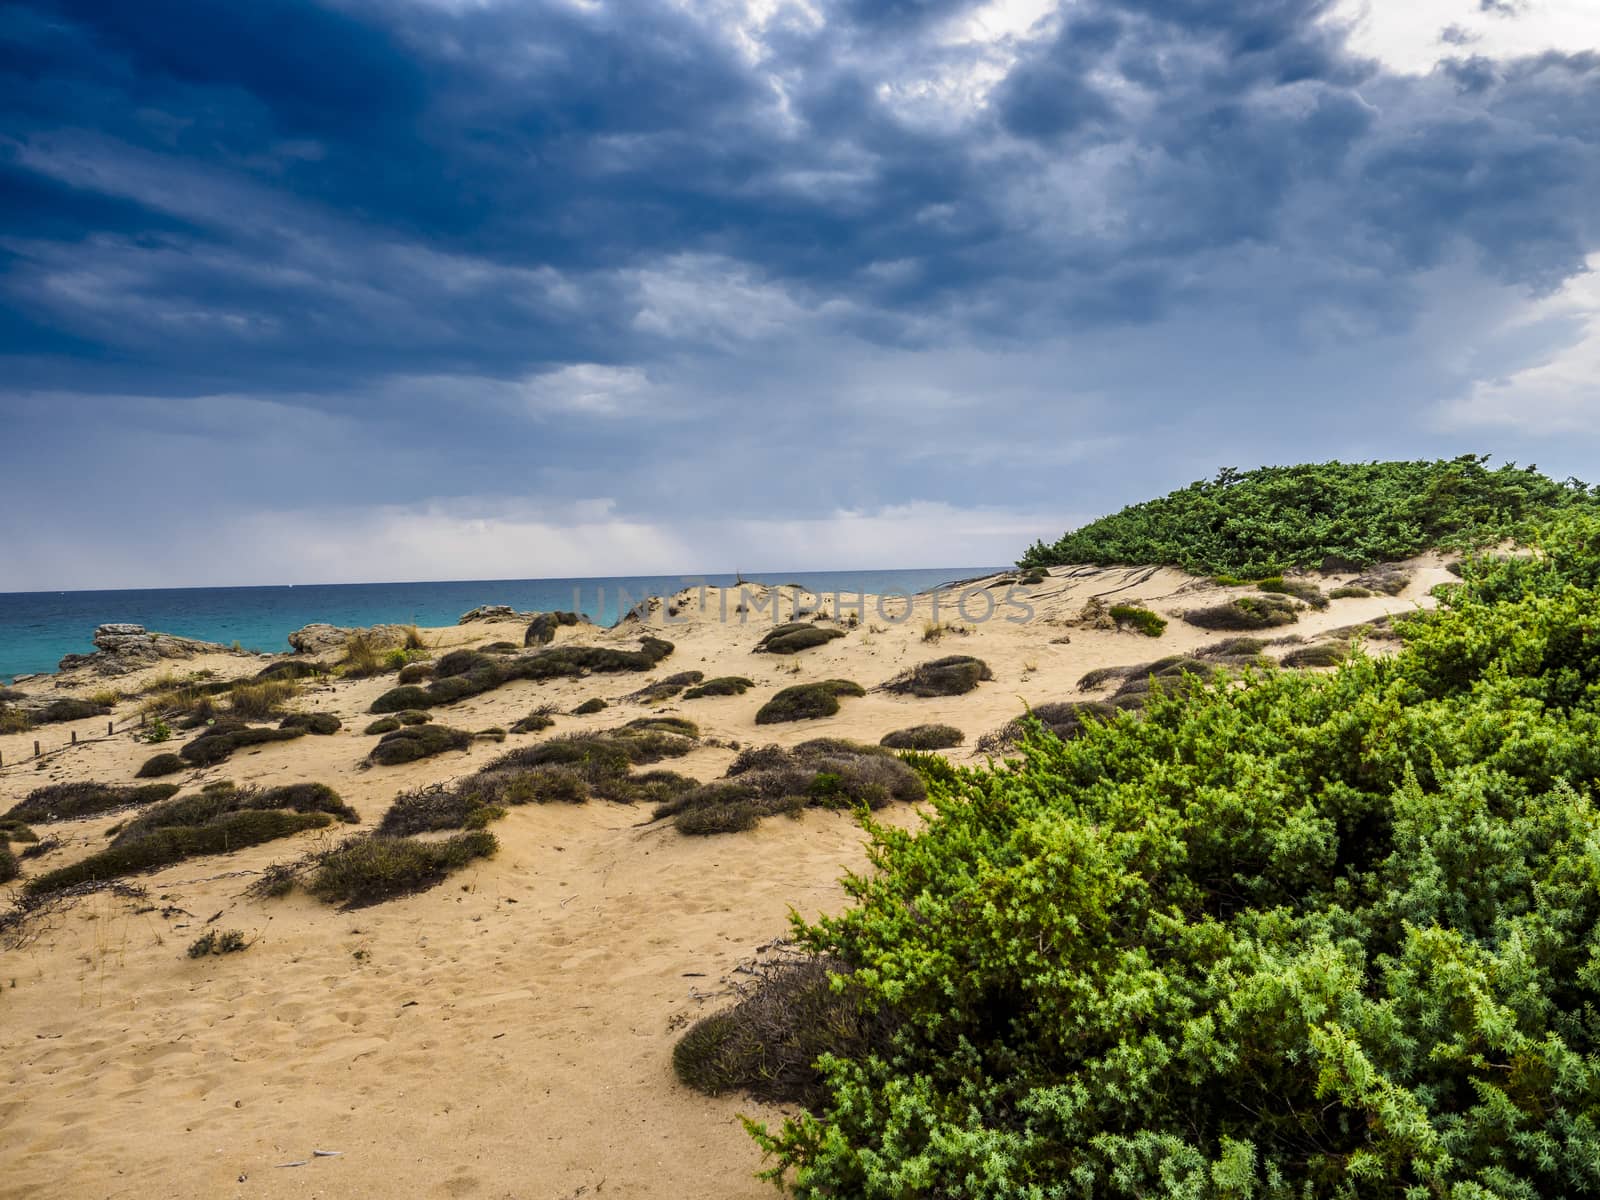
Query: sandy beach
point(509, 1032)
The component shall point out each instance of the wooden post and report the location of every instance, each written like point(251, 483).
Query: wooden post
point(74, 737)
point(36, 749)
point(111, 727)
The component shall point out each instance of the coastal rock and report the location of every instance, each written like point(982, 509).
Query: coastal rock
point(321, 638)
point(495, 612)
point(123, 648)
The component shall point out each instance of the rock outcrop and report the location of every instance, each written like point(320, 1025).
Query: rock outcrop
point(121, 649)
point(494, 612)
point(320, 638)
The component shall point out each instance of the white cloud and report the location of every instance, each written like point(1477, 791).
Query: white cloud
point(1558, 391)
point(1405, 34)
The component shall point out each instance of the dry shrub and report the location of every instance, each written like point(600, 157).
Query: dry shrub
point(923, 737)
point(951, 676)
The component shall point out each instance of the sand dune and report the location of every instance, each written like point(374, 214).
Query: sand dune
point(507, 1034)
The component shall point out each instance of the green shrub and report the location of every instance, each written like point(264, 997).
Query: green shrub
point(9, 868)
point(807, 701)
point(923, 737)
point(412, 742)
point(322, 724)
point(795, 637)
point(465, 673)
point(437, 806)
point(292, 668)
point(1326, 516)
point(413, 673)
point(161, 764)
point(1247, 612)
point(1305, 935)
point(400, 698)
point(1142, 619)
point(951, 676)
point(220, 800)
point(536, 722)
point(722, 685)
point(382, 725)
point(67, 801)
point(664, 689)
point(373, 868)
point(166, 846)
point(1350, 591)
point(592, 705)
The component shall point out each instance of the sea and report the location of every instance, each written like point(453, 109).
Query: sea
point(38, 628)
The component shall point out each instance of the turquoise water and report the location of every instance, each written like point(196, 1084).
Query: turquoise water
point(37, 628)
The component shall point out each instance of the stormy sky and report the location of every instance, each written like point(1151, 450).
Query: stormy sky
point(337, 290)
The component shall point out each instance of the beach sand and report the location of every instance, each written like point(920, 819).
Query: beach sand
point(508, 1033)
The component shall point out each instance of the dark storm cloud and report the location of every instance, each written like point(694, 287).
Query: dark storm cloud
point(617, 243)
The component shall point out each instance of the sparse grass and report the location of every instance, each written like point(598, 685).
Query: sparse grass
point(262, 700)
point(322, 724)
point(954, 675)
point(412, 742)
point(592, 705)
point(1247, 612)
point(373, 868)
point(14, 720)
point(1350, 591)
point(767, 1044)
point(161, 764)
point(795, 637)
point(807, 701)
point(211, 942)
point(923, 737)
point(69, 801)
point(722, 685)
point(1142, 619)
point(106, 697)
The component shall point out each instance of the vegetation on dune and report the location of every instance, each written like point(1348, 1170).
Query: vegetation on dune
point(542, 629)
point(807, 701)
point(795, 637)
point(593, 704)
point(1142, 619)
point(321, 724)
point(161, 764)
point(1302, 935)
point(9, 868)
point(1325, 516)
point(722, 685)
point(222, 799)
point(372, 868)
point(411, 742)
point(13, 829)
point(218, 742)
point(382, 725)
point(68, 708)
point(66, 801)
point(923, 737)
point(262, 700)
point(1246, 612)
point(465, 673)
point(767, 780)
point(665, 689)
point(1301, 589)
point(292, 668)
point(952, 676)
point(534, 722)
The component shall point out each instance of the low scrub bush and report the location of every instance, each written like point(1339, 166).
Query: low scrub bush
point(465, 673)
point(923, 737)
point(69, 708)
point(219, 741)
point(592, 705)
point(536, 722)
point(220, 800)
point(412, 742)
point(437, 806)
point(322, 724)
point(1350, 591)
point(163, 847)
point(382, 725)
point(722, 685)
point(1142, 619)
point(14, 830)
point(161, 764)
point(14, 720)
point(414, 673)
point(213, 941)
point(542, 629)
point(951, 676)
point(807, 701)
point(795, 637)
point(9, 867)
point(1300, 589)
point(68, 801)
point(292, 668)
point(767, 1045)
point(373, 868)
point(259, 701)
point(664, 689)
point(1246, 612)
point(1322, 654)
